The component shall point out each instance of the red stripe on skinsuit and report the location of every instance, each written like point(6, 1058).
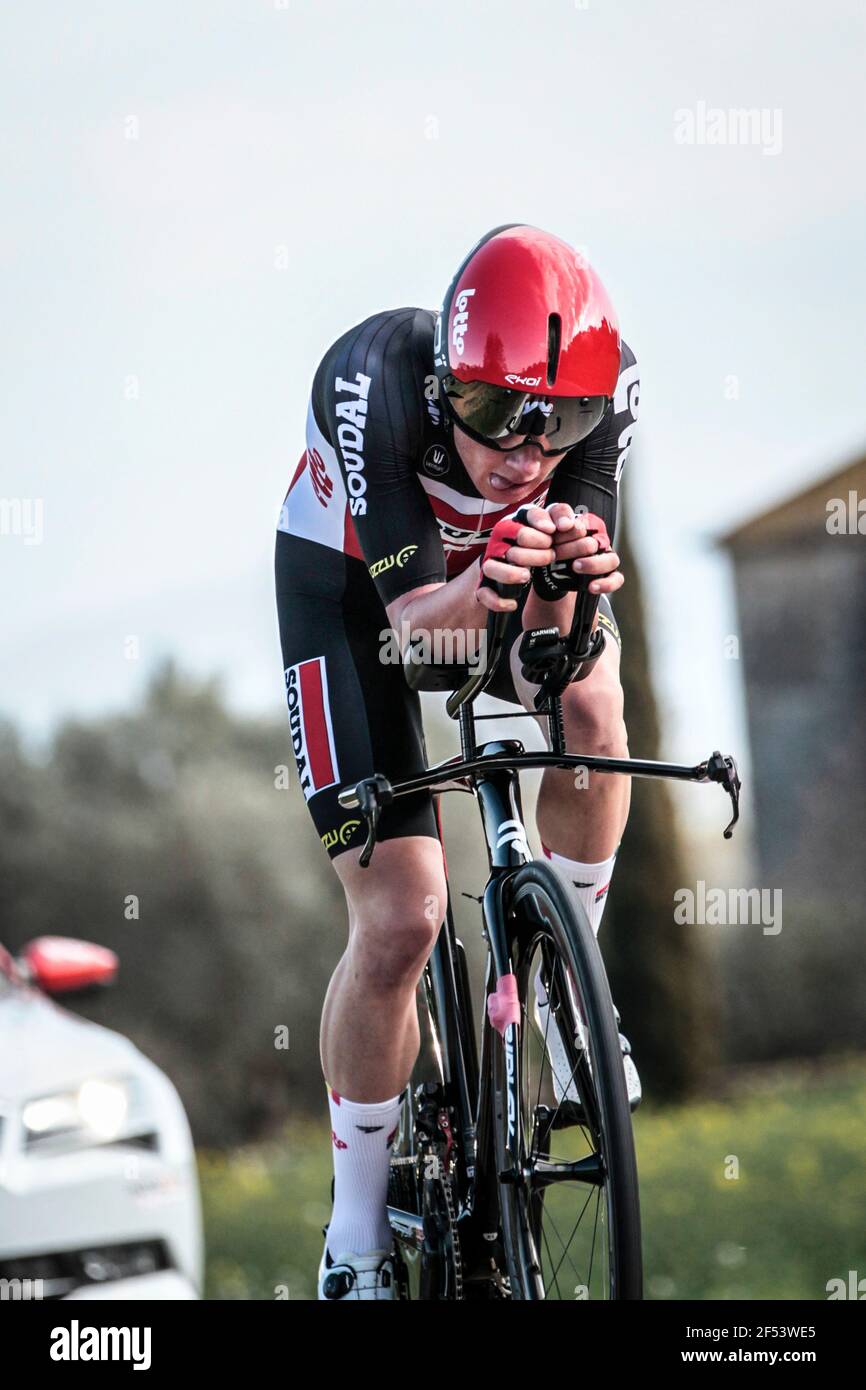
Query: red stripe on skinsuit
point(302, 463)
point(315, 724)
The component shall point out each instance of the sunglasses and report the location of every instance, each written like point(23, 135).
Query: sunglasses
point(491, 413)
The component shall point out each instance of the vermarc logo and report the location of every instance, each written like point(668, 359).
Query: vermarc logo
point(436, 461)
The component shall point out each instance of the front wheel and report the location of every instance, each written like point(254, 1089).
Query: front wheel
point(564, 1145)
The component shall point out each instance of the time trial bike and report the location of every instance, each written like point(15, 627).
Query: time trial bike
point(513, 1174)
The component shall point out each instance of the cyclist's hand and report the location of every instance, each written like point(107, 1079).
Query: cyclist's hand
point(575, 544)
point(517, 544)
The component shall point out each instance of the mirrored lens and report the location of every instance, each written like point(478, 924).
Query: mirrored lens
point(494, 413)
point(567, 419)
point(488, 410)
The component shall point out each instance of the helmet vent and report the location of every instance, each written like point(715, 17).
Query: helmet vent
point(554, 340)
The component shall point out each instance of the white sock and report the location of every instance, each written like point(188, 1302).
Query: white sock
point(591, 882)
point(361, 1136)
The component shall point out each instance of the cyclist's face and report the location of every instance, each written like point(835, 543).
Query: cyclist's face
point(501, 477)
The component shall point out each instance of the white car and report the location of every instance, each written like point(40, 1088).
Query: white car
point(98, 1184)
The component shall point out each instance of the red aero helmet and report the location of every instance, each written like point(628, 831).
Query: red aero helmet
point(527, 312)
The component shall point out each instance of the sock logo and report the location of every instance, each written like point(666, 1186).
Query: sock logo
point(338, 1143)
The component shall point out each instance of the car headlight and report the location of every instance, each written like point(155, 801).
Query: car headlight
point(97, 1111)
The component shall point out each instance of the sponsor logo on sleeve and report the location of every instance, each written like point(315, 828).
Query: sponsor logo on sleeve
point(352, 418)
point(323, 485)
point(389, 561)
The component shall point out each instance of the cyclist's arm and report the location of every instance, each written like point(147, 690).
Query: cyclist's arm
point(430, 607)
point(461, 605)
point(587, 479)
point(369, 396)
point(370, 400)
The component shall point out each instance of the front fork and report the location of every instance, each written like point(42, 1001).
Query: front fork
point(508, 850)
point(467, 1081)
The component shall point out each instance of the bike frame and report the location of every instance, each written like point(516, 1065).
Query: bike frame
point(492, 773)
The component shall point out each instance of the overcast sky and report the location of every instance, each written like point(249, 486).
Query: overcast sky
point(197, 198)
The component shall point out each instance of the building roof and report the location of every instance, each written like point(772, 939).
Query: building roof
point(801, 513)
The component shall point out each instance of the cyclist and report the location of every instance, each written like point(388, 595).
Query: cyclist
point(444, 451)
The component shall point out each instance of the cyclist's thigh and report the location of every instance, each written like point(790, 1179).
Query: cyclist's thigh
point(351, 712)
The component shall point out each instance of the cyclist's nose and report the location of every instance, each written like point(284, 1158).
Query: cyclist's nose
point(523, 464)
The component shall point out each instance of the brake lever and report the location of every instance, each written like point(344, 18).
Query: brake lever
point(723, 769)
point(371, 795)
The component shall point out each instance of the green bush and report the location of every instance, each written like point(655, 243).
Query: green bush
point(793, 1218)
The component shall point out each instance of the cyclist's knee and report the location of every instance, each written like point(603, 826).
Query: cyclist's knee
point(593, 711)
point(397, 910)
point(392, 940)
